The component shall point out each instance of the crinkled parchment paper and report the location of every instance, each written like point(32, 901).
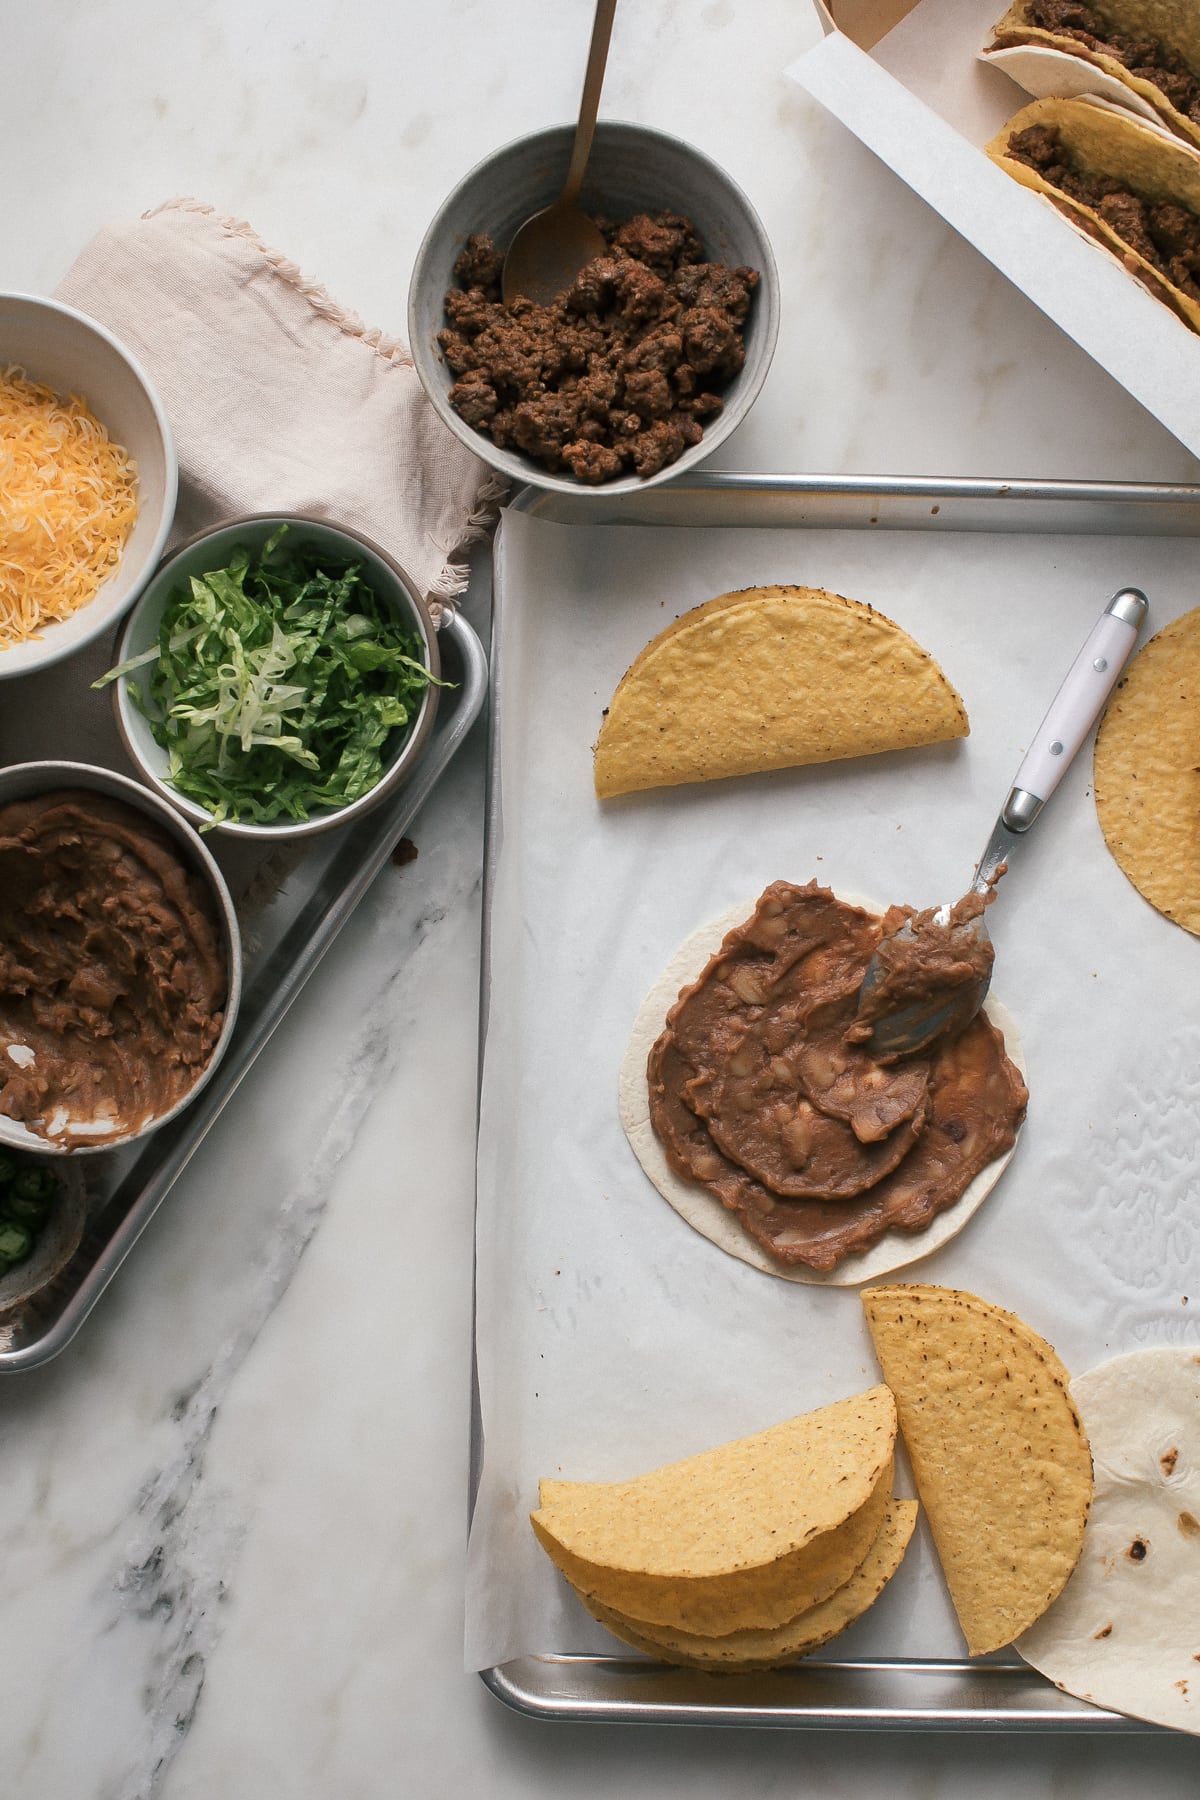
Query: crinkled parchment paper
point(611, 1337)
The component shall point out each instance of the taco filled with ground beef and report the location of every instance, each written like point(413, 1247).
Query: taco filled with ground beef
point(1146, 52)
point(1128, 185)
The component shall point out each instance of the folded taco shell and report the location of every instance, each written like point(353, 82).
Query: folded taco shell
point(770, 678)
point(780, 1644)
point(1175, 23)
point(745, 1536)
point(998, 1453)
point(1104, 141)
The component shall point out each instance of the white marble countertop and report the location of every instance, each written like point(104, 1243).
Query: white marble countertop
point(234, 1509)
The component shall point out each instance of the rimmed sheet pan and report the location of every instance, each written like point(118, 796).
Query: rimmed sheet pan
point(608, 1337)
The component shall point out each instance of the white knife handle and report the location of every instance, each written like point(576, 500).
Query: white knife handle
point(1073, 711)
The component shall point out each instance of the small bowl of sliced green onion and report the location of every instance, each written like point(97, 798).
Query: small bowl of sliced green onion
point(278, 677)
point(43, 1208)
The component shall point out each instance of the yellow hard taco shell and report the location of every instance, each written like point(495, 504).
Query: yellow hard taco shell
point(1175, 23)
point(1147, 771)
point(1103, 141)
point(772, 1648)
point(743, 1536)
point(999, 1456)
point(762, 1598)
point(770, 678)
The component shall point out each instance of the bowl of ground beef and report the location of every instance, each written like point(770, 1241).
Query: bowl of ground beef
point(640, 368)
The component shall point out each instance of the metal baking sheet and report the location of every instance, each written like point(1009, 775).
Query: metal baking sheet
point(291, 906)
point(892, 1692)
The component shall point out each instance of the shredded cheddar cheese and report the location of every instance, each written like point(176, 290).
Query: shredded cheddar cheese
point(68, 500)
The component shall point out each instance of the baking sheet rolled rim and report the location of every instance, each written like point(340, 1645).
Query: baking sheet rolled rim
point(702, 1209)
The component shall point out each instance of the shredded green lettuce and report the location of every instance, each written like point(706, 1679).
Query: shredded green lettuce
point(277, 683)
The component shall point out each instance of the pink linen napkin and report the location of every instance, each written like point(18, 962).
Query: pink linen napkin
point(278, 397)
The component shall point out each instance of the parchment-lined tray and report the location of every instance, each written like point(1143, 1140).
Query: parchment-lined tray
point(291, 906)
point(609, 1337)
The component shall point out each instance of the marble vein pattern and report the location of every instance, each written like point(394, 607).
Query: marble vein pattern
point(146, 1567)
point(234, 1510)
point(181, 1560)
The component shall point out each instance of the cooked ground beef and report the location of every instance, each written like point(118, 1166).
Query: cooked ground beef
point(1166, 235)
point(616, 374)
point(1144, 56)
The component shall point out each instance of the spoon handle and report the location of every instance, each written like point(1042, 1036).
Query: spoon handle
point(1086, 686)
point(589, 105)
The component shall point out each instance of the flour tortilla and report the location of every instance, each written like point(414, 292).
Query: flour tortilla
point(1052, 74)
point(702, 1209)
point(1050, 63)
point(1125, 1632)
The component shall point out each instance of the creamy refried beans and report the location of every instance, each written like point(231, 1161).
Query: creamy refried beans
point(112, 970)
point(759, 1091)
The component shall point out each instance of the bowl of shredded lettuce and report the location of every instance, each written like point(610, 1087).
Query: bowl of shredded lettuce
point(278, 677)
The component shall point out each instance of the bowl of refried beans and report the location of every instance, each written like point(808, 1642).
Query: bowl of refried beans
point(645, 363)
point(120, 960)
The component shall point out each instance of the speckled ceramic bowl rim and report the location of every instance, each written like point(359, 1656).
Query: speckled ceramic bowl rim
point(25, 781)
point(395, 773)
point(522, 470)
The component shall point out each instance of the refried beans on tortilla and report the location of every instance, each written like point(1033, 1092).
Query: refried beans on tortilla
point(759, 1092)
point(112, 971)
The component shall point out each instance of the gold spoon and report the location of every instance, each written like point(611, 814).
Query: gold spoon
point(550, 248)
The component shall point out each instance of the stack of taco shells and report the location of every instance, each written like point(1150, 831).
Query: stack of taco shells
point(745, 1556)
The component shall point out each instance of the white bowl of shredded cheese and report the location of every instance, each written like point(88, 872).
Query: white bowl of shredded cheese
point(88, 477)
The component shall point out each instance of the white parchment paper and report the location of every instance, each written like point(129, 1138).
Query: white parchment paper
point(611, 1337)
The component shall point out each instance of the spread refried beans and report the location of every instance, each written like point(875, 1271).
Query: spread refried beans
point(112, 971)
point(759, 1091)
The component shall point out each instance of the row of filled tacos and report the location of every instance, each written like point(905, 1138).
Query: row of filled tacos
point(1114, 139)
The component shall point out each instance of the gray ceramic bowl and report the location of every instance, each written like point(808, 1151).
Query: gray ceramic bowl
point(631, 170)
point(24, 781)
point(211, 550)
point(73, 354)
